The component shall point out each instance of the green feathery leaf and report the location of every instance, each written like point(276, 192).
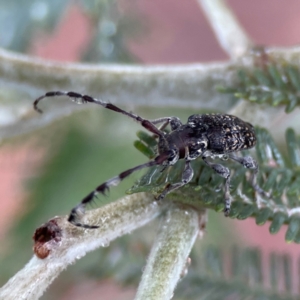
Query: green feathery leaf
point(272, 82)
point(277, 176)
point(209, 277)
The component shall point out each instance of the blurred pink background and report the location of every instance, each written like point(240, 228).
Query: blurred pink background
point(177, 32)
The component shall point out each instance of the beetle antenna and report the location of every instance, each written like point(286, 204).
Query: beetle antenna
point(80, 99)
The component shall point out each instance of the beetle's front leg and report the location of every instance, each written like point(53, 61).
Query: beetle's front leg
point(187, 176)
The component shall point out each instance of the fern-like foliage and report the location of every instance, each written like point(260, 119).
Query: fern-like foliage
point(272, 82)
point(214, 274)
point(244, 278)
point(278, 176)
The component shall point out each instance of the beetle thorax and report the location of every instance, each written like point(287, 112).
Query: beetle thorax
point(181, 143)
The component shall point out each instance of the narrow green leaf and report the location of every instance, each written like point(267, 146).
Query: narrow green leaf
point(297, 238)
point(144, 149)
point(294, 76)
point(283, 182)
point(293, 229)
point(278, 97)
point(271, 181)
point(278, 220)
point(261, 77)
point(293, 102)
point(263, 215)
point(246, 78)
point(292, 147)
point(235, 209)
point(276, 76)
point(148, 139)
point(246, 211)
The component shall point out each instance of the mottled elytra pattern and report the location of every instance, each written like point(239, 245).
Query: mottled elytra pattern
point(226, 133)
point(203, 136)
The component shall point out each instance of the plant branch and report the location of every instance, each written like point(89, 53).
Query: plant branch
point(181, 85)
point(59, 243)
point(291, 54)
point(232, 38)
point(168, 258)
point(185, 85)
point(190, 85)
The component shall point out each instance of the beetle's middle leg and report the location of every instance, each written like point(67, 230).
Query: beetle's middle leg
point(224, 172)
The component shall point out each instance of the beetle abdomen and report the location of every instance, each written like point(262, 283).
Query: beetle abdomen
point(225, 133)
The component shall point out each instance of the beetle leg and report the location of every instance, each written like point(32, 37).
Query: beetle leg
point(249, 163)
point(224, 172)
point(187, 176)
point(79, 209)
point(173, 121)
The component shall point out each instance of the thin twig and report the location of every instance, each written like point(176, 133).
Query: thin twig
point(232, 38)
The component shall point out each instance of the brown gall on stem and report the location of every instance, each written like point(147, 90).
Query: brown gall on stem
point(42, 237)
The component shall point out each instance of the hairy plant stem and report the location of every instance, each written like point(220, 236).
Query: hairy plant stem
point(178, 86)
point(72, 243)
point(167, 261)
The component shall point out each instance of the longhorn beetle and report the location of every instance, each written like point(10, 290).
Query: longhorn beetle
point(205, 136)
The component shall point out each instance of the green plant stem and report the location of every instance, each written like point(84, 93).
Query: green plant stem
point(186, 85)
point(115, 219)
point(168, 257)
point(182, 85)
point(230, 34)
